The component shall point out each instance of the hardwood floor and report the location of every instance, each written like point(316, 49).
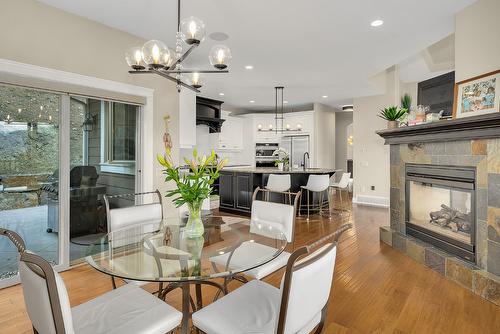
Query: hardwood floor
point(376, 288)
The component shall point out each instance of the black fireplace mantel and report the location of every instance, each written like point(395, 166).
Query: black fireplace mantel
point(477, 127)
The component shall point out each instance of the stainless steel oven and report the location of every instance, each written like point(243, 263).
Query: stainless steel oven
point(264, 154)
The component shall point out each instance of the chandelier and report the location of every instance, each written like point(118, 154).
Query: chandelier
point(155, 57)
point(279, 114)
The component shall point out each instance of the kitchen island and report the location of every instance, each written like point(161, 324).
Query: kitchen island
point(237, 184)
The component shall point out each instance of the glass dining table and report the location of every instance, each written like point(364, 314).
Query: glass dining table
point(158, 251)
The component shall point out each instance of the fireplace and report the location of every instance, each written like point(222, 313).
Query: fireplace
point(440, 207)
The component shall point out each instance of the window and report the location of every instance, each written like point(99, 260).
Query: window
point(122, 128)
point(119, 134)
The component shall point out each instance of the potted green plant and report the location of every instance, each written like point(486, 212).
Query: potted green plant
point(283, 157)
point(392, 115)
point(192, 187)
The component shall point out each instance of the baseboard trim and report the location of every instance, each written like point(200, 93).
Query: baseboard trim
point(381, 202)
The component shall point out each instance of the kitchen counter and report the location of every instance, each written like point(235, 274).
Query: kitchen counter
point(237, 184)
point(275, 170)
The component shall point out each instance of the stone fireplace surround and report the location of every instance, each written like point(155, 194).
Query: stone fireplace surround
point(473, 142)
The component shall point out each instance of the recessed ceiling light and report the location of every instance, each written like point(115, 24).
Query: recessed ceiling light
point(221, 94)
point(219, 36)
point(285, 102)
point(249, 67)
point(252, 101)
point(324, 96)
point(377, 23)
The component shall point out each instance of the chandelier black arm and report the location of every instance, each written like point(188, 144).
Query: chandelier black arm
point(194, 71)
point(184, 56)
point(165, 75)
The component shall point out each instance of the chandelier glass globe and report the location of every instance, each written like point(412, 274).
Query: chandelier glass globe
point(196, 80)
point(134, 58)
point(192, 30)
point(155, 53)
point(169, 58)
point(220, 56)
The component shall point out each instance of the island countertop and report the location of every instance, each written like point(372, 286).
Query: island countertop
point(275, 170)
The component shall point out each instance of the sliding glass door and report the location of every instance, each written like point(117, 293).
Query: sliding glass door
point(29, 173)
point(103, 161)
point(59, 155)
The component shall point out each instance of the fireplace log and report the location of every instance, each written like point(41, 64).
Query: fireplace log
point(452, 218)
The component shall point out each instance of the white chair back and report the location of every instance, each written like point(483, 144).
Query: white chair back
point(37, 299)
point(310, 287)
point(279, 182)
point(318, 183)
point(125, 217)
point(344, 180)
point(269, 215)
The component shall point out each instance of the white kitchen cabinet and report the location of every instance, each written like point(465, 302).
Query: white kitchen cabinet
point(187, 118)
point(231, 135)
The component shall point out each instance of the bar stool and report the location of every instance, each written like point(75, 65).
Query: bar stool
point(317, 184)
point(278, 183)
point(342, 185)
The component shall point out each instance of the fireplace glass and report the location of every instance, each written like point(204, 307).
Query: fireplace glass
point(443, 210)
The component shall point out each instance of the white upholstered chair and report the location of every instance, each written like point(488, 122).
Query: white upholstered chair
point(317, 184)
point(279, 183)
point(120, 218)
point(264, 214)
point(126, 310)
point(342, 185)
point(298, 307)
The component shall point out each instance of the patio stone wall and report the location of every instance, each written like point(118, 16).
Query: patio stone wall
point(484, 277)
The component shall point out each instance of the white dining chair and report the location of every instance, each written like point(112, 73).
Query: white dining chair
point(317, 184)
point(342, 185)
point(120, 218)
point(126, 310)
point(266, 217)
point(298, 306)
point(278, 183)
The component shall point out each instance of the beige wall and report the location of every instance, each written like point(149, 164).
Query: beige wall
point(33, 33)
point(477, 35)
point(324, 136)
point(370, 155)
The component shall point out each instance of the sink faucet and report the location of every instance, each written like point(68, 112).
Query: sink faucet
point(304, 159)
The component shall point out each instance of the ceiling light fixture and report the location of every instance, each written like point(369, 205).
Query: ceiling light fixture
point(252, 101)
point(249, 67)
point(377, 23)
point(221, 94)
point(324, 96)
point(348, 107)
point(155, 57)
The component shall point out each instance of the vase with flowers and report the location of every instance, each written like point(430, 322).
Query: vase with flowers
point(192, 187)
point(283, 158)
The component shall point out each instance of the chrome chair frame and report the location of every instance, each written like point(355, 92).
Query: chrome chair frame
point(106, 199)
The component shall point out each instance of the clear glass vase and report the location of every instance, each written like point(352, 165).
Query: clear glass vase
point(194, 227)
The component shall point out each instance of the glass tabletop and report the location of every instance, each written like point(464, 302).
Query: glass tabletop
point(158, 251)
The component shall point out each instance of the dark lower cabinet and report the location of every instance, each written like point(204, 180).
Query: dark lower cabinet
point(235, 191)
point(226, 193)
point(244, 191)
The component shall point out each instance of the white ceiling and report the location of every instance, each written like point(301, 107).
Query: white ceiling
point(313, 48)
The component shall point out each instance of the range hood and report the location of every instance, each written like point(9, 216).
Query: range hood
point(208, 112)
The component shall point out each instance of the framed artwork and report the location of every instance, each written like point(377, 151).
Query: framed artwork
point(477, 96)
